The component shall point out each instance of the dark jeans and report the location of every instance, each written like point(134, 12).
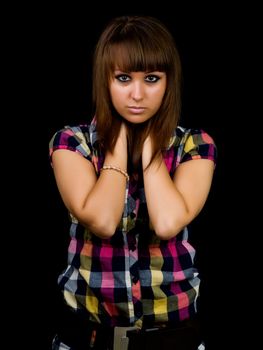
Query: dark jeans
point(185, 336)
point(76, 331)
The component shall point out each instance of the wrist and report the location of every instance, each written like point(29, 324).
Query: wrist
point(115, 168)
point(118, 158)
point(146, 152)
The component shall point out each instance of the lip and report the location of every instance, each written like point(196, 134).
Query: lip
point(136, 110)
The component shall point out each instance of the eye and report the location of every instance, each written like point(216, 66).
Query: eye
point(122, 78)
point(152, 78)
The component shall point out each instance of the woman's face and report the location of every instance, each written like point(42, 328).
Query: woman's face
point(137, 96)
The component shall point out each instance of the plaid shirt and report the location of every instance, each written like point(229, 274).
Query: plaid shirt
point(133, 276)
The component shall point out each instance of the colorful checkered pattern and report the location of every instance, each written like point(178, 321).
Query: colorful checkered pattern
point(133, 276)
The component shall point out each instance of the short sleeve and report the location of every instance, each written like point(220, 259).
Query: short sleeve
point(197, 144)
point(73, 138)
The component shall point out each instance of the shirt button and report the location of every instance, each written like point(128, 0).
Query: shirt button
point(132, 247)
point(135, 279)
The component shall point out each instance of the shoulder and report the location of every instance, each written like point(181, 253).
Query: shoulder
point(192, 143)
point(75, 138)
point(183, 135)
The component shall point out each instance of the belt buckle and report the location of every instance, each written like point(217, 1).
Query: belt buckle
point(120, 340)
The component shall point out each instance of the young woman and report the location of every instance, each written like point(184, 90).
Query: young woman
point(132, 180)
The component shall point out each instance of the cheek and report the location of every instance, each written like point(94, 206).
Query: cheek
point(163, 90)
point(116, 99)
point(159, 97)
point(115, 93)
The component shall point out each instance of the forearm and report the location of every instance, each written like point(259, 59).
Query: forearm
point(166, 206)
point(105, 203)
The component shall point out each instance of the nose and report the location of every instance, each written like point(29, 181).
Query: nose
point(137, 91)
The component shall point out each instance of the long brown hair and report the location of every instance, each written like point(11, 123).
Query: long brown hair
point(136, 43)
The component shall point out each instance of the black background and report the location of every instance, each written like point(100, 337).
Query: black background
point(209, 42)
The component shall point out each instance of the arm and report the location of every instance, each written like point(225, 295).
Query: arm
point(97, 203)
point(174, 203)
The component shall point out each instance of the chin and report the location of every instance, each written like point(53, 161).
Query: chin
point(136, 119)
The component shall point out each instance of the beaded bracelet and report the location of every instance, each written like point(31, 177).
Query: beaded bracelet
point(112, 167)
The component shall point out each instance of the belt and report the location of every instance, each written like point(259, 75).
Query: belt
point(184, 336)
point(81, 334)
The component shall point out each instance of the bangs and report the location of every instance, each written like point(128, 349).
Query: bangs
point(134, 56)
